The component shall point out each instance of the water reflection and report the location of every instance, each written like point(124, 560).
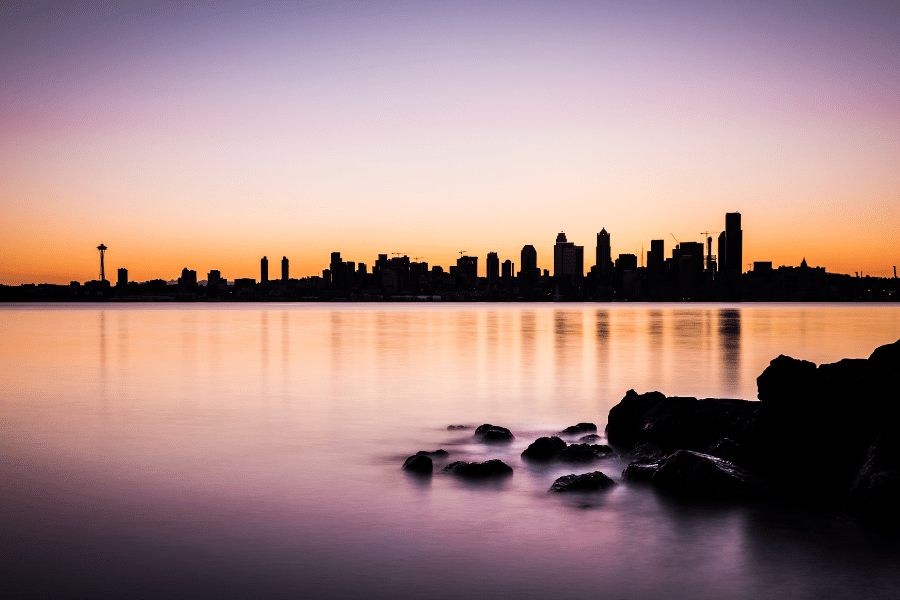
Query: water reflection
point(730, 349)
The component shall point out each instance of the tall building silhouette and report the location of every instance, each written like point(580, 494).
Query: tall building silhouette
point(529, 259)
point(213, 278)
point(493, 269)
point(734, 243)
point(467, 267)
point(604, 255)
point(568, 259)
point(284, 269)
point(123, 278)
point(264, 270)
point(102, 249)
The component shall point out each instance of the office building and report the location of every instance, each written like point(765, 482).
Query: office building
point(264, 270)
point(493, 269)
point(604, 255)
point(123, 278)
point(568, 259)
point(284, 269)
point(529, 259)
point(734, 243)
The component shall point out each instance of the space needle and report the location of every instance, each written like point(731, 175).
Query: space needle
point(102, 249)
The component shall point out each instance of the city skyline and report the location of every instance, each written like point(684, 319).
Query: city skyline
point(220, 133)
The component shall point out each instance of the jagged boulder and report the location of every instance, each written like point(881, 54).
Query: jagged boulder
point(543, 449)
point(701, 476)
point(589, 438)
point(586, 482)
point(624, 417)
point(578, 429)
point(875, 493)
point(494, 468)
point(419, 464)
point(493, 434)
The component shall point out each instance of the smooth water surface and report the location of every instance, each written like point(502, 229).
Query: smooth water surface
point(209, 450)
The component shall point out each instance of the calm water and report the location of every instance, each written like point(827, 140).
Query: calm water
point(166, 450)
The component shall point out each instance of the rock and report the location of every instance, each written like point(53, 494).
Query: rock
point(729, 450)
point(645, 451)
point(580, 428)
point(589, 438)
point(583, 453)
point(785, 377)
point(419, 464)
point(493, 433)
point(455, 427)
point(543, 449)
point(641, 470)
point(587, 482)
point(701, 476)
point(625, 416)
point(875, 493)
point(436, 454)
point(483, 470)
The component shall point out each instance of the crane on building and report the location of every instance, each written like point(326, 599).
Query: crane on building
point(675, 238)
point(399, 253)
point(461, 252)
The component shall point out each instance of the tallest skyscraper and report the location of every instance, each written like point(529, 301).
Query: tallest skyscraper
point(734, 243)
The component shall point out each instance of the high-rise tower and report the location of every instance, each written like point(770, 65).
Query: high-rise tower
point(604, 254)
point(102, 249)
point(734, 243)
point(284, 269)
point(264, 270)
point(568, 259)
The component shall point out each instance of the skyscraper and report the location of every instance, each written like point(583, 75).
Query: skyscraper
point(264, 270)
point(284, 269)
point(493, 269)
point(123, 278)
point(734, 243)
point(568, 259)
point(604, 254)
point(529, 259)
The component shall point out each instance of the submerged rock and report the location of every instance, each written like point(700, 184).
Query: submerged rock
point(436, 454)
point(583, 453)
point(702, 476)
point(587, 482)
point(589, 438)
point(479, 470)
point(455, 427)
point(419, 464)
point(493, 433)
point(645, 451)
point(543, 449)
point(580, 428)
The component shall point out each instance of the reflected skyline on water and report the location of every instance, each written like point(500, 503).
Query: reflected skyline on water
point(176, 438)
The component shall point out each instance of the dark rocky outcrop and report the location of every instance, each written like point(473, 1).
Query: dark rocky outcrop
point(589, 438)
point(875, 493)
point(419, 464)
point(436, 454)
point(578, 429)
point(543, 449)
point(586, 482)
point(676, 423)
point(493, 434)
point(488, 469)
point(852, 400)
point(624, 417)
point(701, 476)
point(641, 470)
point(456, 427)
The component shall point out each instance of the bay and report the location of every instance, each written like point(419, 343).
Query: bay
point(228, 449)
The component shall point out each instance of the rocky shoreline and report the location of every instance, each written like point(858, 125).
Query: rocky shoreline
point(825, 436)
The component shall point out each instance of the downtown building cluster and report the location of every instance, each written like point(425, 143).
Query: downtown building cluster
point(690, 271)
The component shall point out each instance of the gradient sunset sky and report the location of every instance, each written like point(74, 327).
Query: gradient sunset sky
point(208, 134)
